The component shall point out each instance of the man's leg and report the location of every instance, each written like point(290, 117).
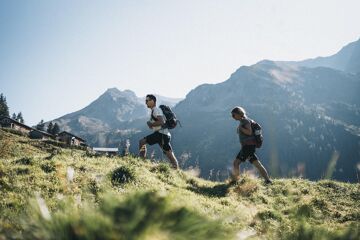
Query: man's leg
point(261, 170)
point(167, 149)
point(142, 148)
point(236, 169)
point(170, 155)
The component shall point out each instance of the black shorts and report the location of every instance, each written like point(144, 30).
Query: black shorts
point(247, 152)
point(161, 139)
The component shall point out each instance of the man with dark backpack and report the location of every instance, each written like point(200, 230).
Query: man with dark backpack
point(160, 124)
point(250, 138)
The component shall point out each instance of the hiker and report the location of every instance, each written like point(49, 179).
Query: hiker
point(160, 135)
point(248, 145)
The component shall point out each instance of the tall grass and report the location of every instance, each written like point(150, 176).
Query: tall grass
point(85, 197)
point(140, 216)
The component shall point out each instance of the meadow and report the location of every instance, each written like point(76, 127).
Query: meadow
point(49, 191)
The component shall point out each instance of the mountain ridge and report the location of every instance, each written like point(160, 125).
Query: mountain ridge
point(299, 106)
point(346, 59)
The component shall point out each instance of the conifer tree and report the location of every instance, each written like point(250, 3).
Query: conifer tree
point(50, 128)
point(20, 118)
point(13, 116)
point(41, 125)
point(4, 109)
point(55, 129)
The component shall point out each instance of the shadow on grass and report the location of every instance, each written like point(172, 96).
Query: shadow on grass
point(219, 190)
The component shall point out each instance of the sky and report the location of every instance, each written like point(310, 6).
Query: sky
point(56, 57)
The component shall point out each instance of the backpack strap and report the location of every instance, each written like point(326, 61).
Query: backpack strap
point(152, 116)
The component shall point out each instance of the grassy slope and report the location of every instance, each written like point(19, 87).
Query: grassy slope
point(288, 209)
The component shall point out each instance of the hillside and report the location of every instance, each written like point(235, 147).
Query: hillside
point(48, 192)
point(307, 115)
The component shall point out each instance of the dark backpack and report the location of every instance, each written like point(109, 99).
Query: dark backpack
point(257, 132)
point(170, 116)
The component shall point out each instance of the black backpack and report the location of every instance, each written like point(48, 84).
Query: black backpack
point(257, 132)
point(170, 116)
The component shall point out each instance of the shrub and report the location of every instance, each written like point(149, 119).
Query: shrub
point(163, 172)
point(268, 214)
point(122, 175)
point(22, 171)
point(24, 161)
point(162, 168)
point(48, 167)
point(82, 168)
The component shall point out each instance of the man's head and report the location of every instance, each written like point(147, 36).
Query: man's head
point(238, 113)
point(150, 101)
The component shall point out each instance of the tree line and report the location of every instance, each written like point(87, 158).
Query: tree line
point(51, 127)
point(4, 112)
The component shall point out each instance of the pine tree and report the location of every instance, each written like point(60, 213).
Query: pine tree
point(20, 118)
point(4, 109)
point(55, 129)
point(50, 128)
point(13, 116)
point(41, 125)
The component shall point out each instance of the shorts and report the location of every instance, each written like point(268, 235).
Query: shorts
point(247, 152)
point(161, 139)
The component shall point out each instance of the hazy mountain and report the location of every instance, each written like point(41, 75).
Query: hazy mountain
point(114, 114)
point(347, 59)
point(106, 112)
point(309, 116)
point(309, 110)
point(165, 100)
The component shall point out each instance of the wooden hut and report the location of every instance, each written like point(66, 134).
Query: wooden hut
point(7, 122)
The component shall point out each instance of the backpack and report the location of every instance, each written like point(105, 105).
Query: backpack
point(170, 116)
point(257, 132)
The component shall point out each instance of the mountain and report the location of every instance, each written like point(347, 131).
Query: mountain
point(310, 119)
point(115, 112)
point(347, 59)
point(165, 100)
point(309, 111)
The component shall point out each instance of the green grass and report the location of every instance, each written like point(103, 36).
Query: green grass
point(129, 198)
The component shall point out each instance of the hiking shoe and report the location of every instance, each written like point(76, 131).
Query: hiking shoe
point(268, 182)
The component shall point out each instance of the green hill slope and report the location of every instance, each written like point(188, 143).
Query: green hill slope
point(49, 192)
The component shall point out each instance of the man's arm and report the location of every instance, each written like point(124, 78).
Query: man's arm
point(159, 122)
point(246, 129)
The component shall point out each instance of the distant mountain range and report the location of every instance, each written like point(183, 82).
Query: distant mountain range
point(309, 110)
point(347, 59)
point(308, 115)
point(115, 112)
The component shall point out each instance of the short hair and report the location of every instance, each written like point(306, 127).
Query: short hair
point(239, 110)
point(152, 97)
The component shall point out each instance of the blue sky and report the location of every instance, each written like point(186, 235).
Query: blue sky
point(58, 56)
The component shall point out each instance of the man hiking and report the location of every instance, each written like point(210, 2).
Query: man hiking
point(248, 145)
point(160, 135)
